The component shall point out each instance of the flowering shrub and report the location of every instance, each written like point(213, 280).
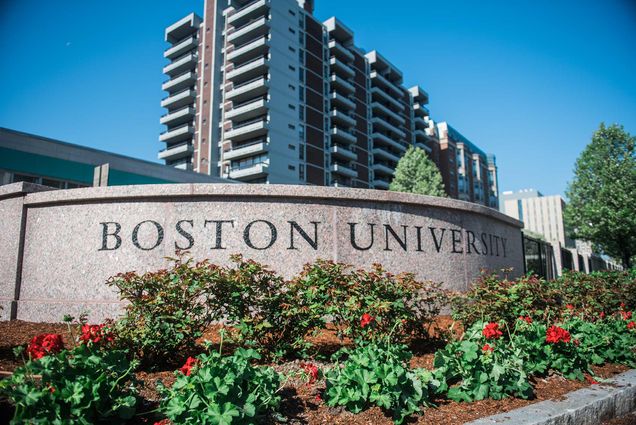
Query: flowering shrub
point(491, 331)
point(45, 344)
point(365, 305)
point(470, 370)
point(221, 390)
point(96, 334)
point(555, 335)
point(82, 386)
point(166, 312)
point(378, 375)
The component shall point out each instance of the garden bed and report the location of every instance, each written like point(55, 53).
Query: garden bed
point(300, 404)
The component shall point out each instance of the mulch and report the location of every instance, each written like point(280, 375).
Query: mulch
point(300, 403)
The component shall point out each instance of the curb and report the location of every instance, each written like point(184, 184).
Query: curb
point(588, 406)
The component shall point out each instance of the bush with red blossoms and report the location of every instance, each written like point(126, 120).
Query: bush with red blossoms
point(555, 334)
point(491, 331)
point(45, 344)
point(631, 325)
point(95, 334)
point(186, 369)
point(487, 348)
point(366, 320)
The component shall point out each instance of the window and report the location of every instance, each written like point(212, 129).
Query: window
point(292, 68)
point(301, 172)
point(291, 49)
point(291, 126)
point(301, 152)
point(291, 168)
point(292, 147)
point(292, 107)
point(291, 30)
point(291, 12)
point(292, 87)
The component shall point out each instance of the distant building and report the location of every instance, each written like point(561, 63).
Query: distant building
point(262, 92)
point(29, 158)
point(469, 174)
point(540, 214)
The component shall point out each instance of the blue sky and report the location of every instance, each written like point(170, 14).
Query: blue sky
point(529, 81)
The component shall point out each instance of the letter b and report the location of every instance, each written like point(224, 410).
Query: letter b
point(105, 235)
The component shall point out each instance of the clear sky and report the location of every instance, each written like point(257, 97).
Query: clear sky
point(528, 81)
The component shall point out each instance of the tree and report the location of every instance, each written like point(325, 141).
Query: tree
point(416, 173)
point(602, 196)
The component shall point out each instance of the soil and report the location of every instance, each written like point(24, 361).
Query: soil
point(301, 401)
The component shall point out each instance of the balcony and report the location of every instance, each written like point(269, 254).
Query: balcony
point(341, 83)
point(340, 100)
point(179, 99)
point(385, 154)
point(178, 117)
point(339, 117)
point(378, 107)
point(421, 110)
point(380, 81)
point(172, 153)
point(341, 51)
point(249, 50)
point(180, 82)
point(255, 28)
point(382, 139)
point(181, 64)
point(177, 134)
point(378, 93)
point(248, 70)
point(420, 123)
point(248, 110)
point(343, 136)
point(381, 122)
point(343, 153)
point(342, 67)
point(343, 170)
point(249, 172)
point(248, 90)
point(383, 169)
point(381, 184)
point(247, 130)
point(248, 12)
point(183, 28)
point(181, 47)
point(246, 150)
point(424, 146)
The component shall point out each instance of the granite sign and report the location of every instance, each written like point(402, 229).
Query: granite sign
point(63, 245)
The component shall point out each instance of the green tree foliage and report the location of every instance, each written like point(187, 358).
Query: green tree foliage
point(416, 173)
point(603, 193)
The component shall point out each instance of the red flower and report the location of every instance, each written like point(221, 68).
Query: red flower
point(186, 369)
point(491, 331)
point(622, 305)
point(487, 348)
point(626, 315)
point(318, 398)
point(556, 334)
point(366, 320)
point(569, 307)
point(94, 334)
point(163, 422)
point(631, 325)
point(45, 344)
point(526, 319)
point(591, 380)
point(576, 342)
point(311, 370)
point(602, 315)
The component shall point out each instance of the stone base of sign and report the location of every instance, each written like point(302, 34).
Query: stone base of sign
point(60, 246)
point(588, 406)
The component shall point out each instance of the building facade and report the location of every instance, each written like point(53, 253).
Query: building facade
point(262, 92)
point(34, 159)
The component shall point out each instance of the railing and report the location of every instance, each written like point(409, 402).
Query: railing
point(246, 6)
point(176, 111)
point(248, 165)
point(192, 52)
point(249, 122)
point(178, 145)
point(254, 40)
point(170, 130)
point(253, 80)
point(249, 62)
point(247, 102)
point(245, 25)
point(176, 76)
point(177, 93)
point(248, 144)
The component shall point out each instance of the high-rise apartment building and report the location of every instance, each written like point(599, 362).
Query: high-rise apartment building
point(261, 91)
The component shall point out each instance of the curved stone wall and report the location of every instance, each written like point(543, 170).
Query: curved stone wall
point(62, 245)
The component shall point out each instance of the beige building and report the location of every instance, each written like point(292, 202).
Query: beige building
point(540, 214)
